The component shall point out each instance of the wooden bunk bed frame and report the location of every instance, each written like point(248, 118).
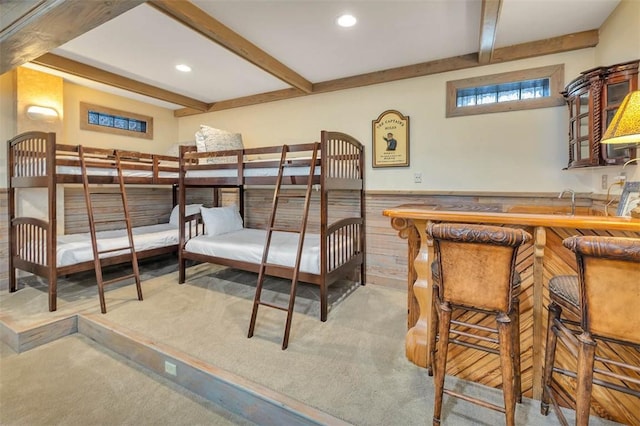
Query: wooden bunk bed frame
point(341, 166)
point(33, 159)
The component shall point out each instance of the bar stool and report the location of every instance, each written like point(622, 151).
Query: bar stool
point(605, 298)
point(475, 267)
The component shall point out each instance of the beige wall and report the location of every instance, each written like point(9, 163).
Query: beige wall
point(165, 125)
point(620, 42)
point(7, 120)
point(512, 151)
point(516, 151)
point(620, 35)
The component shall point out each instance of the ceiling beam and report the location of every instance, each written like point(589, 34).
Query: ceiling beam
point(69, 66)
point(51, 23)
point(549, 46)
point(195, 18)
point(488, 27)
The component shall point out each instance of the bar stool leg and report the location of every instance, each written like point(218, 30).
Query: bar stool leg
point(586, 357)
point(433, 330)
point(515, 318)
point(549, 357)
point(505, 334)
point(441, 360)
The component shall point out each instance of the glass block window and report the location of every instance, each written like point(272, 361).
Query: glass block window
point(506, 92)
point(109, 120)
point(518, 90)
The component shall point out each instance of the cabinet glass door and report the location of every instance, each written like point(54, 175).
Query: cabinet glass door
point(614, 95)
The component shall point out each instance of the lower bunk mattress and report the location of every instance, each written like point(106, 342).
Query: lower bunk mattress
point(77, 248)
point(247, 245)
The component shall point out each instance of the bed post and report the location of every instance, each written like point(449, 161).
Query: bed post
point(325, 155)
point(11, 194)
point(181, 212)
point(363, 216)
point(52, 234)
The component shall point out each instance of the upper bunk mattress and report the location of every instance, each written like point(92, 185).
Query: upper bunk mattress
point(251, 172)
point(100, 171)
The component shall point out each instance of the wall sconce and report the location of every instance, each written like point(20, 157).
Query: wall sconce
point(40, 113)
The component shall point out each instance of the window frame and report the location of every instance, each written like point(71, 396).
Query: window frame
point(555, 74)
point(85, 125)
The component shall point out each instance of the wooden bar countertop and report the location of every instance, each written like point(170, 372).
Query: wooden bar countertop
point(560, 220)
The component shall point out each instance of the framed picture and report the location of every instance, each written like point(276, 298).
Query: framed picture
point(630, 198)
point(391, 140)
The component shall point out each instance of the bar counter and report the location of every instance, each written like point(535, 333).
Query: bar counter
point(537, 262)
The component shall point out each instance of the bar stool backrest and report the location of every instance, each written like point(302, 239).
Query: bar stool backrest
point(609, 277)
point(477, 263)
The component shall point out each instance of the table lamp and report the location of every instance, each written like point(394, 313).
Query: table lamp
point(625, 128)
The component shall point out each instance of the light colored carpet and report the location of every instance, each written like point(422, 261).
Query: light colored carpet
point(74, 381)
point(353, 366)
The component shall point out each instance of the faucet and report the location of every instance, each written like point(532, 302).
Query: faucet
point(573, 199)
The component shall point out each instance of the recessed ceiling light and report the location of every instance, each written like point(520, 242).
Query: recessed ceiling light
point(346, 21)
point(183, 68)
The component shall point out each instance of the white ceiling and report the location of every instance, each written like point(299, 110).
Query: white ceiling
point(145, 45)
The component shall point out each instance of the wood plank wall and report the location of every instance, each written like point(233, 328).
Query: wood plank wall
point(386, 252)
point(4, 240)
point(147, 206)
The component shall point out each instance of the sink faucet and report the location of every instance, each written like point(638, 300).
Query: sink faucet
point(573, 199)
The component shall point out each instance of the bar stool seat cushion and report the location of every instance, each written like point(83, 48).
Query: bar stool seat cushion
point(565, 287)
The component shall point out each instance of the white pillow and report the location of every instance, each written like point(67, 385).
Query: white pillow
point(209, 139)
point(174, 150)
point(221, 220)
point(189, 210)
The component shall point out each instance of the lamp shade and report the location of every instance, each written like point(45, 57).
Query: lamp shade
point(625, 126)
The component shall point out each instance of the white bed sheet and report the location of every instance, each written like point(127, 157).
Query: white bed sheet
point(248, 244)
point(251, 172)
point(76, 248)
point(98, 171)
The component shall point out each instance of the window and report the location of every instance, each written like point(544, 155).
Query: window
point(108, 120)
point(511, 91)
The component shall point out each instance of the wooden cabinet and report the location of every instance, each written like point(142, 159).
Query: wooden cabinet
point(593, 99)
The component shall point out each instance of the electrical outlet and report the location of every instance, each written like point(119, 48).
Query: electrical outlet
point(604, 182)
point(417, 177)
point(170, 368)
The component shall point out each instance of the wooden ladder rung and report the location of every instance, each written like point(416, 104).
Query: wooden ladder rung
point(274, 306)
point(118, 279)
point(115, 249)
point(283, 229)
point(287, 195)
point(93, 192)
point(109, 220)
point(274, 265)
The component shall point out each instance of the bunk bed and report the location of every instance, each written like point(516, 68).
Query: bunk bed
point(335, 252)
point(35, 160)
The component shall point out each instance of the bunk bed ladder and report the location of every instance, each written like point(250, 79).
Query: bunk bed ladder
point(89, 194)
point(295, 270)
